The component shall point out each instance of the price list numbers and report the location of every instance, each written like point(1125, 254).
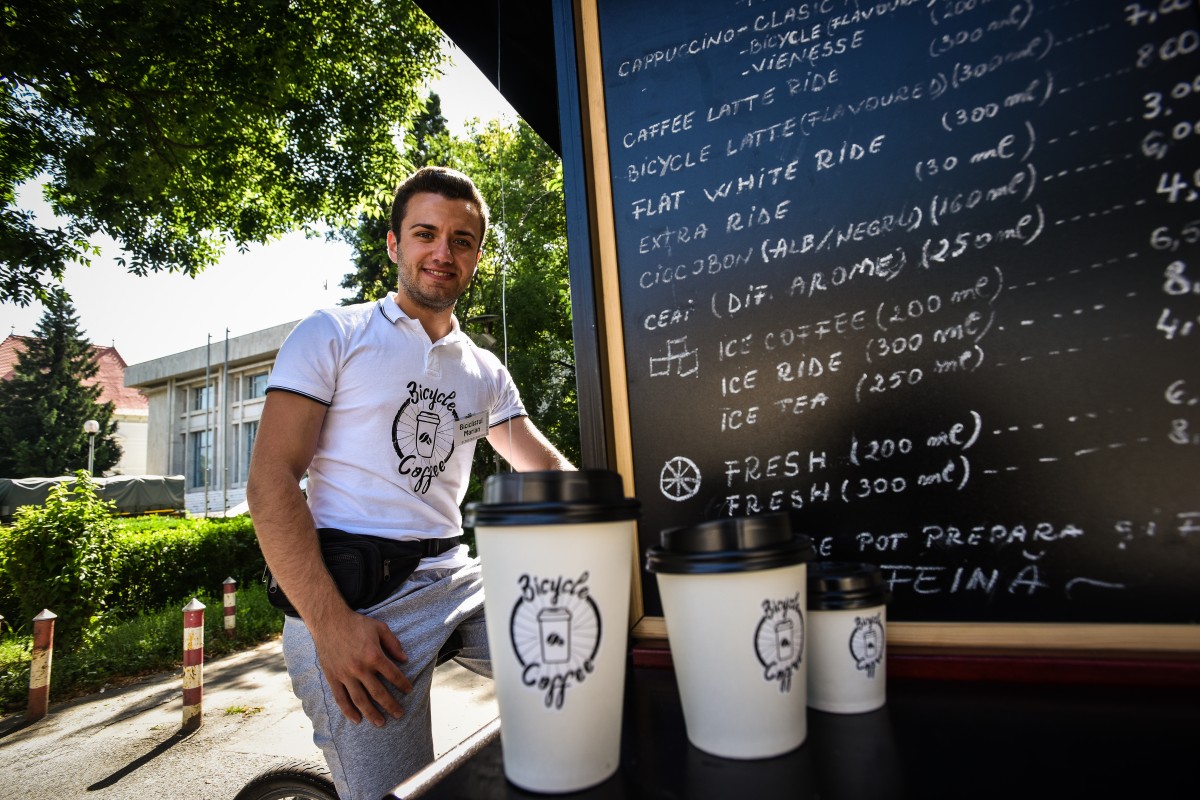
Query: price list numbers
point(1171, 113)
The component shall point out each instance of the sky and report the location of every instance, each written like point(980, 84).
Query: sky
point(164, 313)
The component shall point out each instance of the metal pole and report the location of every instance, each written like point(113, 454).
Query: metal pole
point(172, 429)
point(225, 427)
point(207, 416)
point(91, 427)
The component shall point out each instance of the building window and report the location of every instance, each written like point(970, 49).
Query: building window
point(256, 385)
point(249, 432)
point(200, 458)
point(202, 398)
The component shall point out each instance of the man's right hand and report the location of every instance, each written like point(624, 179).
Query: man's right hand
point(359, 657)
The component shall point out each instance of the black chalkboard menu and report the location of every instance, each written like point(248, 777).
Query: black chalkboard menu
point(924, 274)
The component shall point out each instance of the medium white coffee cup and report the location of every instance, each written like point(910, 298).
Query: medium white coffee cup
point(733, 594)
point(847, 613)
point(555, 549)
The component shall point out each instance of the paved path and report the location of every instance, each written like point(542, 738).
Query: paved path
point(124, 743)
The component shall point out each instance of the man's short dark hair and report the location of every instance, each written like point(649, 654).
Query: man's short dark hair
point(449, 183)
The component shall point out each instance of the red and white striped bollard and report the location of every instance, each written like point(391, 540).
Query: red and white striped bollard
point(39, 665)
point(193, 665)
point(230, 607)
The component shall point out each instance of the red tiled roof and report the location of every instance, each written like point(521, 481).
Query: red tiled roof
point(10, 348)
point(111, 376)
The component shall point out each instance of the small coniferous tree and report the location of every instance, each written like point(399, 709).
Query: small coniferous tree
point(44, 405)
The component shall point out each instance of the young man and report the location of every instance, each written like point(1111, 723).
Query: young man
point(381, 404)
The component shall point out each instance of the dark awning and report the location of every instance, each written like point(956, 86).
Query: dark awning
point(512, 44)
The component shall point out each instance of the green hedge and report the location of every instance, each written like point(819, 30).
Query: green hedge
point(159, 565)
point(160, 561)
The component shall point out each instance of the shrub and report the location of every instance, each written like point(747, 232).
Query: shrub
point(59, 556)
point(164, 563)
point(150, 562)
point(10, 604)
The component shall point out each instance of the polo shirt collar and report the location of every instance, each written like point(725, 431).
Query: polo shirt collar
point(393, 313)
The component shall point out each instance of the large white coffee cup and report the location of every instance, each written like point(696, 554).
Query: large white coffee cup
point(556, 553)
point(733, 594)
point(847, 613)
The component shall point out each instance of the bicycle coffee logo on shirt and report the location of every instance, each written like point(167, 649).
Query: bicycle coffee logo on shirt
point(866, 643)
point(555, 630)
point(423, 434)
point(779, 640)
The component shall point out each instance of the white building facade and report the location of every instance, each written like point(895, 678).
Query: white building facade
point(204, 407)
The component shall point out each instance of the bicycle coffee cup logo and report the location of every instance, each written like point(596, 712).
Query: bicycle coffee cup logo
point(779, 640)
point(423, 434)
point(555, 631)
point(867, 643)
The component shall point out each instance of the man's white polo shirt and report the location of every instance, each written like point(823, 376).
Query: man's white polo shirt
point(394, 454)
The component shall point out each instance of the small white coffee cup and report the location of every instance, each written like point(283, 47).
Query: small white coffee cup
point(847, 612)
point(733, 595)
point(555, 550)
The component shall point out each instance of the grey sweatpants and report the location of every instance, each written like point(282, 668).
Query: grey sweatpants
point(367, 762)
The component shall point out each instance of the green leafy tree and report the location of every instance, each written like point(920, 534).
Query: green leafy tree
point(426, 143)
point(177, 128)
point(523, 279)
point(374, 273)
point(49, 397)
point(59, 556)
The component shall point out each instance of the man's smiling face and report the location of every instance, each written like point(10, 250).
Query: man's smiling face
point(436, 251)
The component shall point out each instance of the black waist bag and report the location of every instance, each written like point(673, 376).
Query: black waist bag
point(366, 569)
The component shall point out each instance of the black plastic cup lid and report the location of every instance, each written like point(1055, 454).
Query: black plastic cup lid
point(837, 585)
point(734, 544)
point(551, 498)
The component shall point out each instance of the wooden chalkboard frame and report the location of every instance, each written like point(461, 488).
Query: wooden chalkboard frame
point(600, 347)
